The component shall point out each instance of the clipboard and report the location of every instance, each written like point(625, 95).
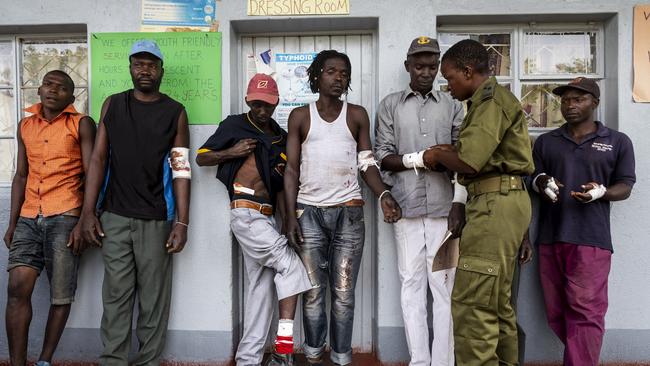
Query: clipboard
point(447, 255)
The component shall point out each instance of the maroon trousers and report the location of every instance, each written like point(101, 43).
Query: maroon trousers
point(574, 280)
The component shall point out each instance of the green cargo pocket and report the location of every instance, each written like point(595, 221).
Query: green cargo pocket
point(475, 281)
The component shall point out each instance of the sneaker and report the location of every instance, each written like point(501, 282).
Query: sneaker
point(278, 359)
point(42, 363)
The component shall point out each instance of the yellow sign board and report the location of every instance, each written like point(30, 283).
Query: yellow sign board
point(298, 7)
point(641, 91)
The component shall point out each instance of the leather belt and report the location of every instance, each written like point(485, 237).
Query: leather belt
point(263, 208)
point(501, 183)
point(355, 202)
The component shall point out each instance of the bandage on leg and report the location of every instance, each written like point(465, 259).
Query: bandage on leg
point(284, 339)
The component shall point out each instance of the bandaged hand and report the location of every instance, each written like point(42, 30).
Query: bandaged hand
point(590, 192)
point(549, 185)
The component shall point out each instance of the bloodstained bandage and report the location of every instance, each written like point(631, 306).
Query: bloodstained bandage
point(179, 163)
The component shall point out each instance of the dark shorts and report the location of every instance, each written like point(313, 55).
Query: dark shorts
point(42, 243)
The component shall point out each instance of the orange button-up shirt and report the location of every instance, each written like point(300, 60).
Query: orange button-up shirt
point(54, 179)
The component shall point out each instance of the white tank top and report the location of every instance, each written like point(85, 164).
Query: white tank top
point(328, 161)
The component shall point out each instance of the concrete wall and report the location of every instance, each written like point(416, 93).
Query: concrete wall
point(205, 310)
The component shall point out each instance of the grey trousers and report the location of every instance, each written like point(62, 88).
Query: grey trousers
point(274, 272)
point(135, 257)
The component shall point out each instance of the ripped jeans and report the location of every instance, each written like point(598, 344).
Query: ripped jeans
point(331, 253)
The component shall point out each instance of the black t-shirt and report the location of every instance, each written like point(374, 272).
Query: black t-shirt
point(270, 153)
point(140, 136)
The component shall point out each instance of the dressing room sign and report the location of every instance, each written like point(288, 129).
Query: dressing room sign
point(298, 7)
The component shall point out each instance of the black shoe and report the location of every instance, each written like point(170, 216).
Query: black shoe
point(277, 359)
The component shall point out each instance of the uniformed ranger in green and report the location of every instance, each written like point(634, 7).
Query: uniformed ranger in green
point(491, 156)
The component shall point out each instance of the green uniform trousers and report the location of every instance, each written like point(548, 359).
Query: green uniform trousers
point(135, 257)
point(485, 330)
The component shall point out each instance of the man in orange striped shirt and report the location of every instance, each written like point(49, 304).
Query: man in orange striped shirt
point(54, 147)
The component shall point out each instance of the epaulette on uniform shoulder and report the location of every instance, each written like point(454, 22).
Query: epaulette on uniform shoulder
point(488, 92)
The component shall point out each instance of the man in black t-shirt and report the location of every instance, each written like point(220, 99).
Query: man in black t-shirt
point(250, 150)
point(142, 140)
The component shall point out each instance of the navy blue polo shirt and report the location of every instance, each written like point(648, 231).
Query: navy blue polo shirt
point(605, 157)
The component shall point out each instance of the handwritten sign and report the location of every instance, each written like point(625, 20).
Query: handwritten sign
point(641, 91)
point(192, 63)
point(298, 7)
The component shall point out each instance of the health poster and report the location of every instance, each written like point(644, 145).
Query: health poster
point(177, 15)
point(293, 83)
point(192, 63)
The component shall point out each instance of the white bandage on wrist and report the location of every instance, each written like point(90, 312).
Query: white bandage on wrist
point(366, 159)
point(552, 190)
point(535, 188)
point(413, 160)
point(179, 163)
point(596, 192)
point(460, 192)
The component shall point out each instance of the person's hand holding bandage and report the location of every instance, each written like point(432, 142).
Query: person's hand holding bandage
point(590, 192)
point(547, 184)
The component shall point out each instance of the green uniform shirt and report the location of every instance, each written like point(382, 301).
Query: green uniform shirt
point(494, 135)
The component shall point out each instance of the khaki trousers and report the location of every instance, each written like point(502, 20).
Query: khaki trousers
point(485, 330)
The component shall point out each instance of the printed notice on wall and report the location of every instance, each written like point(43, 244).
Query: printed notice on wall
point(192, 63)
point(178, 15)
point(641, 91)
point(293, 83)
point(298, 7)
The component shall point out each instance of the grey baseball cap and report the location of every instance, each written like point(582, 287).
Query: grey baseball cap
point(423, 44)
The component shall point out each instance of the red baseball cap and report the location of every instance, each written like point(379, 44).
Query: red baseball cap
point(262, 87)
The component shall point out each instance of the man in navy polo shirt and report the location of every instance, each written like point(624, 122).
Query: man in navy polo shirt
point(580, 168)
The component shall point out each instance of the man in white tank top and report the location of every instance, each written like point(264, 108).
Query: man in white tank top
point(328, 141)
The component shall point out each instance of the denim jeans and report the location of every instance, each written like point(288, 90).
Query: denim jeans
point(331, 252)
point(41, 242)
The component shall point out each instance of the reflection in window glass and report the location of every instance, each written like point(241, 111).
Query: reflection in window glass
point(7, 116)
point(39, 57)
point(6, 64)
point(559, 53)
point(497, 45)
point(541, 106)
point(7, 159)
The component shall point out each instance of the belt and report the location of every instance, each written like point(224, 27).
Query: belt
point(263, 208)
point(501, 183)
point(355, 202)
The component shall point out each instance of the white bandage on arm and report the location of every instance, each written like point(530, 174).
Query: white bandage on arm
point(413, 160)
point(179, 163)
point(366, 159)
point(597, 192)
point(460, 192)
